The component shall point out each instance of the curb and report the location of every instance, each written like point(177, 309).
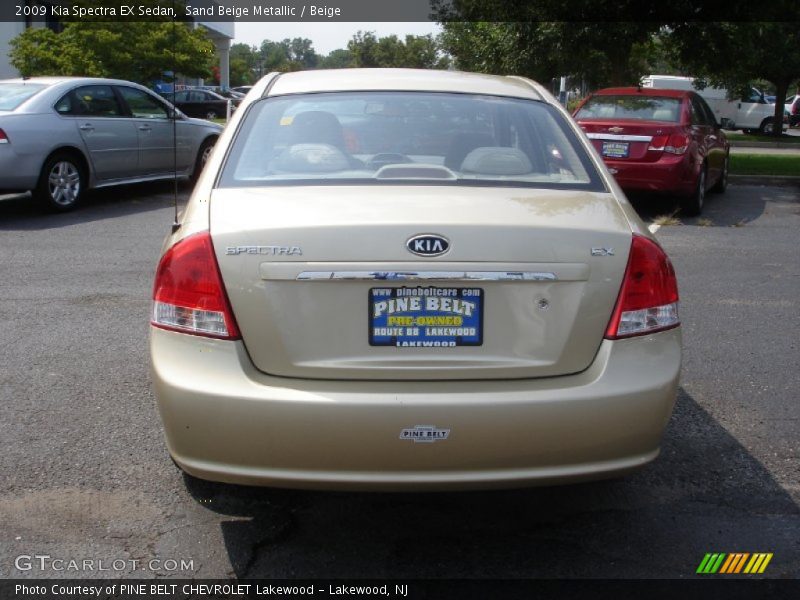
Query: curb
point(774, 180)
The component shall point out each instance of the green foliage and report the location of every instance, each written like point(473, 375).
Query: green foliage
point(287, 55)
point(239, 73)
point(136, 51)
point(500, 48)
point(600, 53)
point(36, 52)
point(572, 103)
point(544, 39)
point(734, 54)
point(243, 64)
point(337, 59)
point(416, 51)
point(764, 164)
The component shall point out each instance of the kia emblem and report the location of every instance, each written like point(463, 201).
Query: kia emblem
point(428, 244)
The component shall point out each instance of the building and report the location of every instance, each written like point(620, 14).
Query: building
point(220, 33)
point(8, 31)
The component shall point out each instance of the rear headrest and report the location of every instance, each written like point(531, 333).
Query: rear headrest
point(497, 160)
point(664, 114)
point(317, 127)
point(462, 144)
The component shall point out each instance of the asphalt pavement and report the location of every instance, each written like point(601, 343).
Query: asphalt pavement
point(84, 473)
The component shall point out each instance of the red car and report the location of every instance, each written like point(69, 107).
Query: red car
point(658, 140)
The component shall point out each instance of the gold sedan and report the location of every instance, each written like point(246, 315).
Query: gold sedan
point(398, 279)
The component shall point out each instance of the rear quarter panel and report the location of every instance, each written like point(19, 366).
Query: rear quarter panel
point(32, 138)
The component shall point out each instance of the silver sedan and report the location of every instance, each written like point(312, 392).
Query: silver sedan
point(60, 136)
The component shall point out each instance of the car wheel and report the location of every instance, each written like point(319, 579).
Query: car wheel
point(766, 127)
point(693, 205)
point(61, 182)
point(202, 157)
point(211, 114)
point(722, 182)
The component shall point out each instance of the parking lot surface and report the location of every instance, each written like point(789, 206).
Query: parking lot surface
point(84, 473)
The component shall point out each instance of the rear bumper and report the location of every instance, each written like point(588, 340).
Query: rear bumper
point(669, 174)
point(18, 173)
point(225, 421)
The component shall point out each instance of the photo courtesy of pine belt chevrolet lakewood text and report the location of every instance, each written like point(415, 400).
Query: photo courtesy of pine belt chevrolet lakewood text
point(410, 280)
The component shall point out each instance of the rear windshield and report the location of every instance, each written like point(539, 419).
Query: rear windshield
point(650, 108)
point(14, 94)
point(383, 137)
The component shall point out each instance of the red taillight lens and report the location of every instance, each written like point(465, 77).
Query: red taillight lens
point(188, 295)
point(3, 137)
point(658, 143)
point(678, 143)
point(648, 299)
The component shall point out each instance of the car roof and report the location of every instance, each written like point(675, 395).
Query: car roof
point(643, 91)
point(330, 80)
point(59, 85)
point(52, 80)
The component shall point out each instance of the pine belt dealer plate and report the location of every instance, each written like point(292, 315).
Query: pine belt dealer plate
point(616, 149)
point(425, 317)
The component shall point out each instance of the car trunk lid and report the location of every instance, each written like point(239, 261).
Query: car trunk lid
point(634, 140)
point(306, 269)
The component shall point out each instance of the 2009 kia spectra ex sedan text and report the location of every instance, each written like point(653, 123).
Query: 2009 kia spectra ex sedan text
point(398, 279)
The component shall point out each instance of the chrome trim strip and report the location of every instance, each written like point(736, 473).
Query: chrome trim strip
point(619, 137)
point(143, 179)
point(426, 276)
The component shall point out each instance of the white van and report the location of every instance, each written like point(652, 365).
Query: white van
point(751, 113)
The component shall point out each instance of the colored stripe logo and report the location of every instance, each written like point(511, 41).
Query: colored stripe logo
point(734, 563)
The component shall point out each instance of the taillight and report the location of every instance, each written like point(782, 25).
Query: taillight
point(3, 137)
point(188, 295)
point(677, 143)
point(648, 298)
point(657, 143)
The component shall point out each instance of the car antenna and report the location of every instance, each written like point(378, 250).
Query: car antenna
point(175, 224)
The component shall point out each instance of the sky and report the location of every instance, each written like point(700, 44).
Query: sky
point(325, 36)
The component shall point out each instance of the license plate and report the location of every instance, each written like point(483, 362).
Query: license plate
point(616, 149)
point(425, 317)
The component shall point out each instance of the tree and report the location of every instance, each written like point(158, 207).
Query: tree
point(337, 59)
point(244, 64)
point(601, 53)
point(603, 42)
point(37, 52)
point(301, 50)
point(732, 55)
point(288, 55)
point(501, 48)
point(420, 52)
point(136, 51)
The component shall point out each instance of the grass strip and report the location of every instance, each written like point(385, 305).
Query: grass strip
point(765, 164)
